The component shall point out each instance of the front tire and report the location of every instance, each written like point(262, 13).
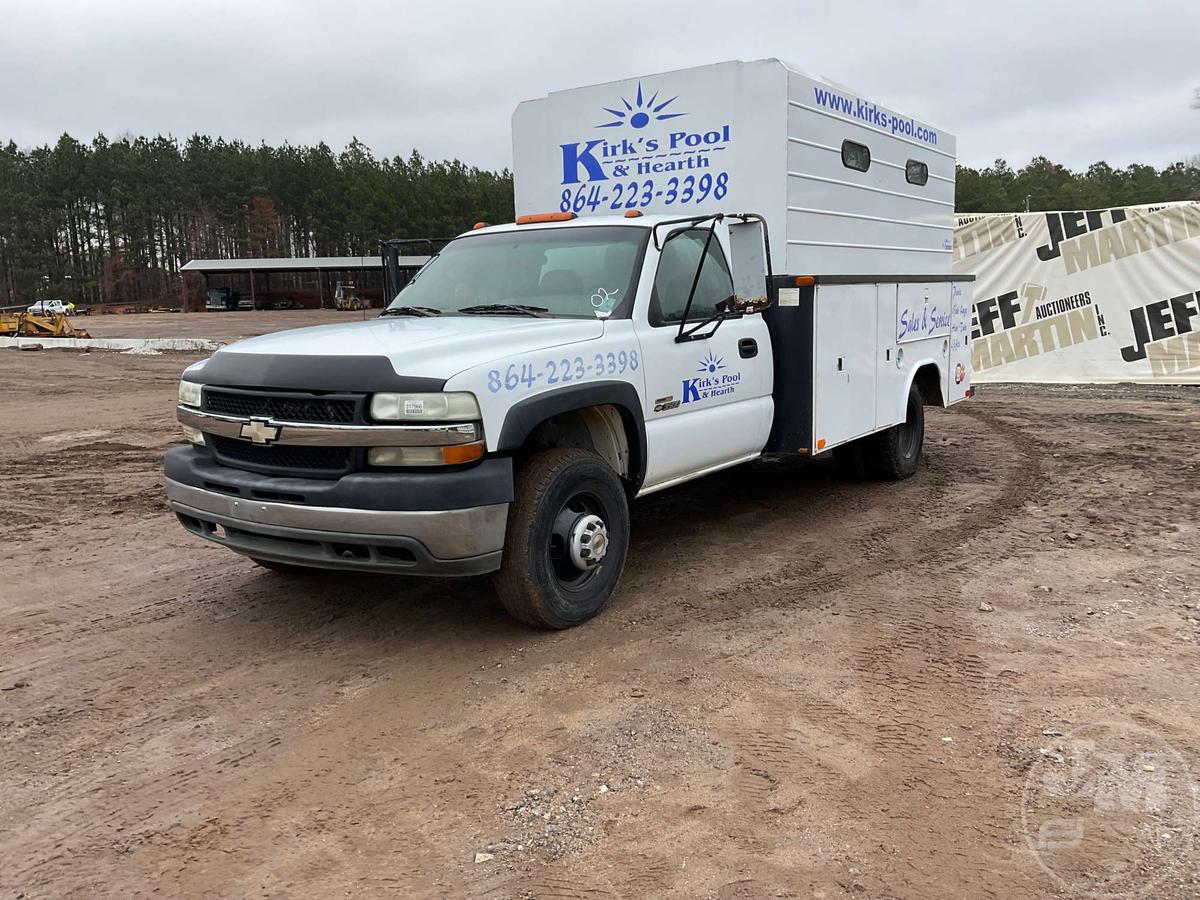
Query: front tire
point(895, 453)
point(566, 540)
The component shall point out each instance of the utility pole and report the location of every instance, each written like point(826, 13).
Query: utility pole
point(1027, 196)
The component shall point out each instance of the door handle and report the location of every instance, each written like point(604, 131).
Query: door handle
point(748, 347)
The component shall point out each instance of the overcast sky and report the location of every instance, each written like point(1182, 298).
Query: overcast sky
point(1075, 81)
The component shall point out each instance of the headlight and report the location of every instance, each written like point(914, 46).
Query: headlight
point(189, 393)
point(452, 407)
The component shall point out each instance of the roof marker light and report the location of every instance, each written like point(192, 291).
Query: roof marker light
point(478, 225)
point(546, 217)
point(633, 213)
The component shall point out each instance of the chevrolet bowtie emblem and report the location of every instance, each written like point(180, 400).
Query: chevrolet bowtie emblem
point(260, 431)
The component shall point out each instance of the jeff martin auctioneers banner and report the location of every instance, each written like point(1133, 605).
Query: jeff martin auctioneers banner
point(1104, 295)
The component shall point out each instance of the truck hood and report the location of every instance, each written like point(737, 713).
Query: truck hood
point(422, 347)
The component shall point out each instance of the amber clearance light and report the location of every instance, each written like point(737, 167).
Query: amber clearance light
point(462, 453)
point(546, 217)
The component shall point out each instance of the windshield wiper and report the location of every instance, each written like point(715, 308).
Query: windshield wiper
point(505, 309)
point(411, 311)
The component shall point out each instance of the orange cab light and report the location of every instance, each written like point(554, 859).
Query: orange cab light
point(821, 444)
point(462, 453)
point(805, 280)
point(546, 217)
point(478, 225)
point(633, 213)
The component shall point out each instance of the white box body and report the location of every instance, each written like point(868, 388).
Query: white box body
point(757, 137)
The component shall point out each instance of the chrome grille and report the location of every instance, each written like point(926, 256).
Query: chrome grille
point(334, 409)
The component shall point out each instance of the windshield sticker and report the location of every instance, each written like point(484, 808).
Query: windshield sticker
point(603, 302)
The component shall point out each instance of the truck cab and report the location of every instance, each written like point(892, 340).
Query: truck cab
point(538, 376)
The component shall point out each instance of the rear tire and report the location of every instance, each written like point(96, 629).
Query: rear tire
point(566, 541)
point(895, 453)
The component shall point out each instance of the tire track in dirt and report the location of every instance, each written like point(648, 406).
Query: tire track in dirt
point(784, 754)
point(869, 555)
point(918, 650)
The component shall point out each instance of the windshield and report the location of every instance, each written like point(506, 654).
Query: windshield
point(584, 272)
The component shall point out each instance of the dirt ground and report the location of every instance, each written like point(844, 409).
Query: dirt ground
point(219, 326)
point(981, 682)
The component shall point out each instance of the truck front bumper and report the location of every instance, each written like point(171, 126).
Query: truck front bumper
point(459, 530)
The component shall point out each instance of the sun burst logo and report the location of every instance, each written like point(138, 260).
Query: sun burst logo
point(641, 112)
point(711, 363)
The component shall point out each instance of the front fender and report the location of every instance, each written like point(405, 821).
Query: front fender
point(525, 415)
point(518, 392)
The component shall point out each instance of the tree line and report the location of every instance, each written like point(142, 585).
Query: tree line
point(113, 220)
point(1045, 185)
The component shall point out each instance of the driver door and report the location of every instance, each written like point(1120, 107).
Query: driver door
point(708, 399)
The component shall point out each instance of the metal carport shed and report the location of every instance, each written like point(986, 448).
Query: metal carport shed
point(301, 282)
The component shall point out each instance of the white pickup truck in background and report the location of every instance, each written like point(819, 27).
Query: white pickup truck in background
point(708, 266)
point(52, 308)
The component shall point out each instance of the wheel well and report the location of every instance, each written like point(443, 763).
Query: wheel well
point(602, 428)
point(929, 382)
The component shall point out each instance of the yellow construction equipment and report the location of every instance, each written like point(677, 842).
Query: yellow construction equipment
point(345, 297)
point(30, 325)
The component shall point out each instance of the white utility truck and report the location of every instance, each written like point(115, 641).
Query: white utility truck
point(708, 266)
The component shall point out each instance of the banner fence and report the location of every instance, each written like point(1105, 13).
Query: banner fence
point(1093, 296)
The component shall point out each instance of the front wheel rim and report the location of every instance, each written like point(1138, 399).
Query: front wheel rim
point(578, 541)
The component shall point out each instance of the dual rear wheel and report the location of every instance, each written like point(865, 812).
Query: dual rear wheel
point(892, 454)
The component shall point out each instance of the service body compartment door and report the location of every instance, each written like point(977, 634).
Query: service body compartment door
point(958, 375)
point(890, 402)
point(845, 367)
point(923, 318)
